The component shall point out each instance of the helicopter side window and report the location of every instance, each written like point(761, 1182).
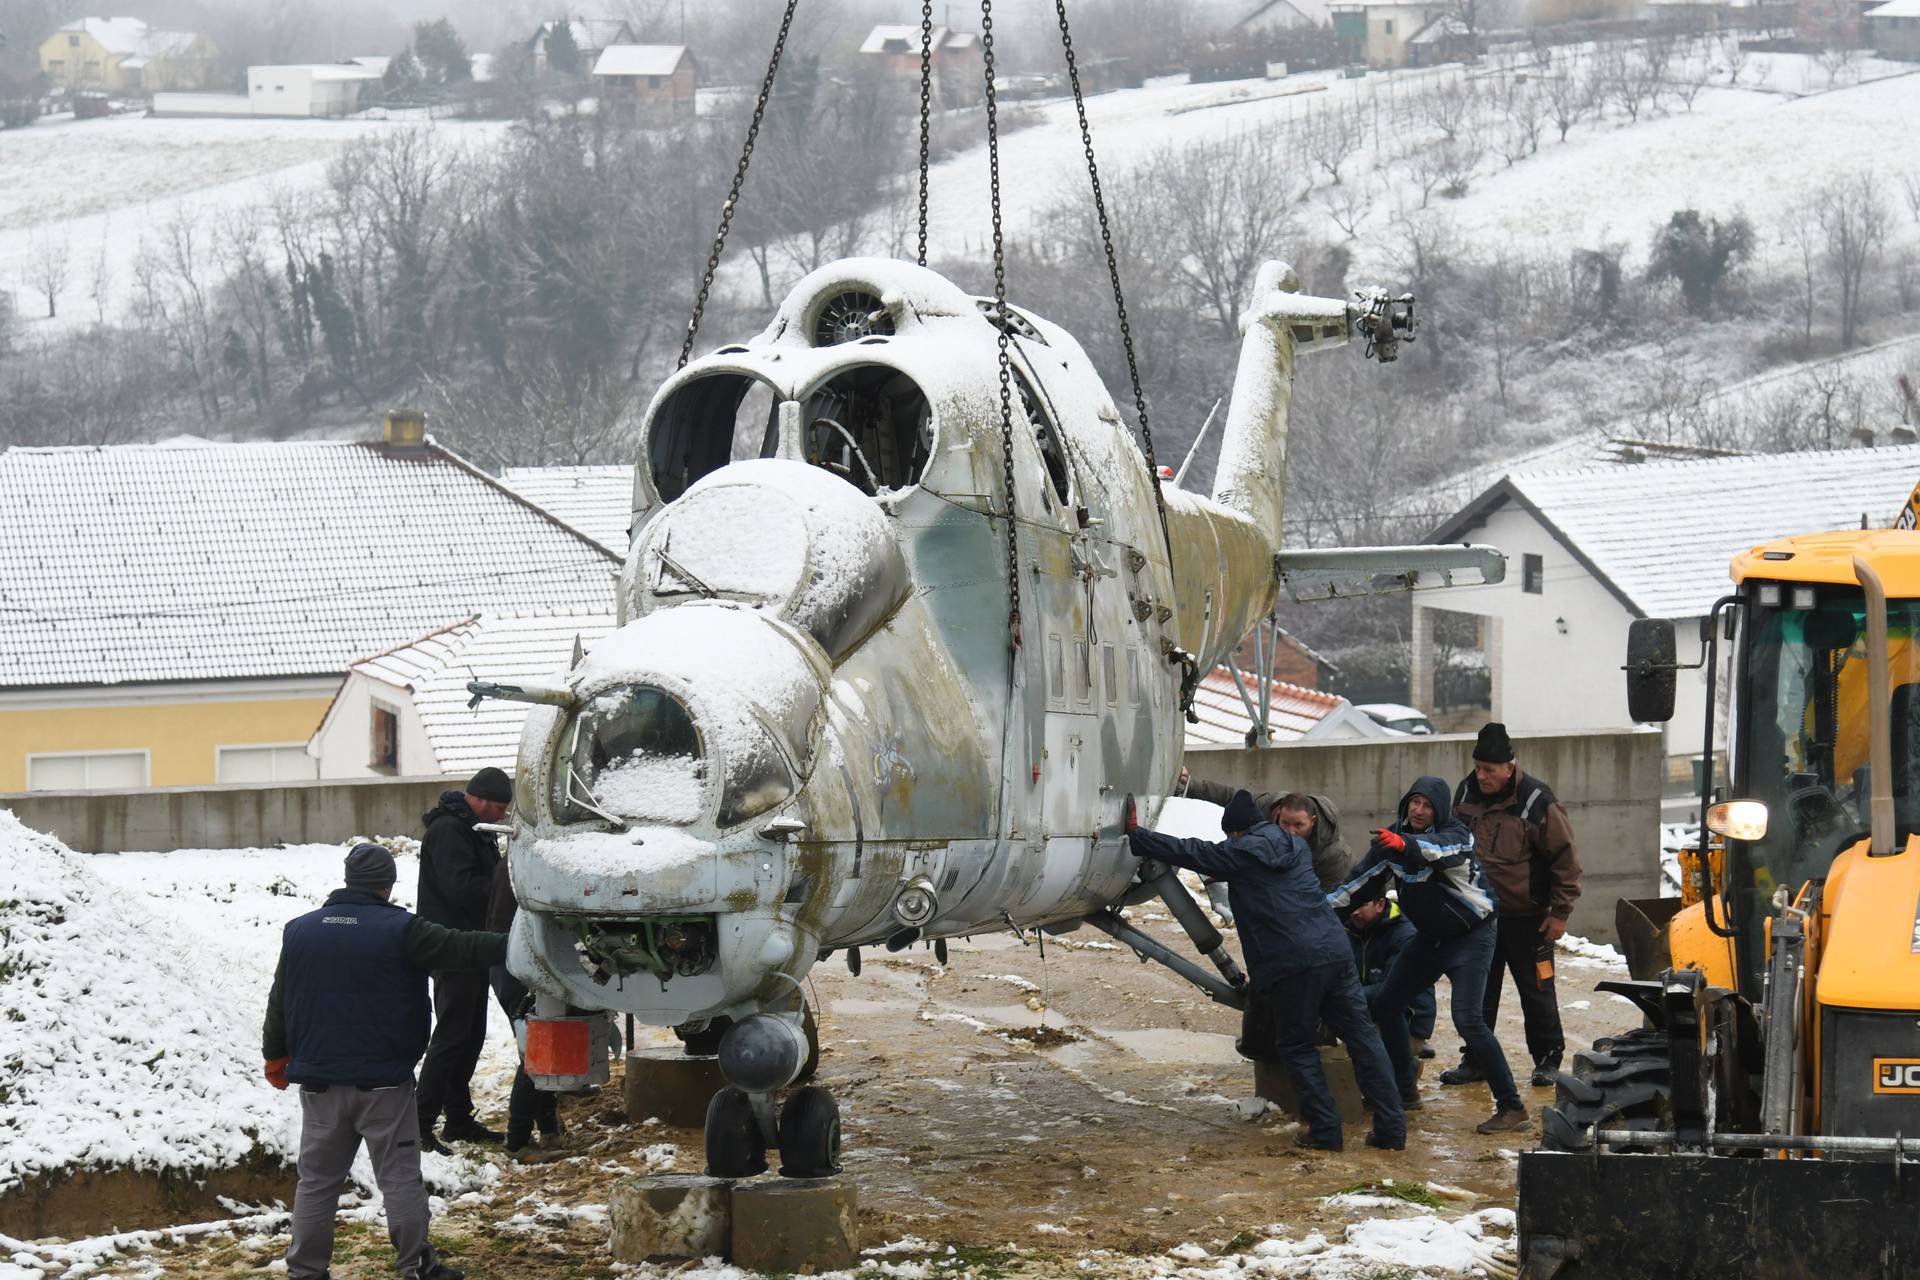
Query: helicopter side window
point(1046, 438)
point(871, 426)
point(707, 423)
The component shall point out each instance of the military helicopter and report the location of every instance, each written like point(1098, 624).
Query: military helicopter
point(907, 628)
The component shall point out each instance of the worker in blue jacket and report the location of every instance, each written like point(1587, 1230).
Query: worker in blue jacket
point(1444, 893)
point(1300, 969)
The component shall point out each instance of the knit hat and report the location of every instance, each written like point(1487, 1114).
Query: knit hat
point(370, 866)
point(1493, 745)
point(491, 784)
point(1242, 813)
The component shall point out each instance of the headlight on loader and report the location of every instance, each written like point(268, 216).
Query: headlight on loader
point(1738, 820)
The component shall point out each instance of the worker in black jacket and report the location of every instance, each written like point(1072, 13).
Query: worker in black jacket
point(346, 1021)
point(456, 879)
point(1300, 971)
point(1379, 933)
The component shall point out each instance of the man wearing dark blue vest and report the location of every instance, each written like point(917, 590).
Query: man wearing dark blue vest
point(347, 1019)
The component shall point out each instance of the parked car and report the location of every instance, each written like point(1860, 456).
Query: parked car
point(1400, 719)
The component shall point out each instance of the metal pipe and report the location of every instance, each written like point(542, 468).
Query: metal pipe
point(1120, 931)
point(1896, 1146)
point(1206, 939)
point(1879, 710)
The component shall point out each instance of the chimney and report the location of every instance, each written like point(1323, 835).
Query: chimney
point(1860, 438)
point(406, 429)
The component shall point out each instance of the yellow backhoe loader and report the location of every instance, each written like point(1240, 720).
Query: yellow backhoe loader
point(1765, 1121)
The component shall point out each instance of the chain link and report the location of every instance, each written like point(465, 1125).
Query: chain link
point(1003, 324)
point(739, 180)
point(1113, 274)
point(926, 115)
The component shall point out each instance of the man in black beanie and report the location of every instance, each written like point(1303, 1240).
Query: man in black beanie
point(456, 879)
point(1525, 843)
point(346, 1021)
point(1299, 966)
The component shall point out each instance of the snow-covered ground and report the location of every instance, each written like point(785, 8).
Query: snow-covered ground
point(96, 189)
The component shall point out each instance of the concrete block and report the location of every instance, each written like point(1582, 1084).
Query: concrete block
point(670, 1216)
point(1270, 1082)
point(796, 1225)
point(670, 1086)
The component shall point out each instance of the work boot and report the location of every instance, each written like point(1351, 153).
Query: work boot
point(1425, 1050)
point(1465, 1073)
point(441, 1271)
point(1543, 1070)
point(1506, 1120)
point(1308, 1142)
point(469, 1130)
point(432, 1144)
point(1411, 1102)
point(1382, 1142)
point(519, 1137)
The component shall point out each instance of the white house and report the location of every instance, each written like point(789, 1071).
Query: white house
point(1590, 550)
point(405, 712)
point(312, 89)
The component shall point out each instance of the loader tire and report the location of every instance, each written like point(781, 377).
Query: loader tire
point(1623, 1082)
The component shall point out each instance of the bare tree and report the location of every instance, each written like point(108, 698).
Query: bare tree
point(1329, 138)
point(1853, 216)
point(1801, 230)
point(1569, 98)
point(1224, 208)
point(100, 274)
point(1351, 204)
point(1618, 75)
point(1446, 104)
point(1652, 66)
point(1910, 190)
point(49, 256)
point(1694, 71)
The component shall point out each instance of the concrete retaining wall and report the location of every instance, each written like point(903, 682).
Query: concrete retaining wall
point(1610, 782)
point(237, 816)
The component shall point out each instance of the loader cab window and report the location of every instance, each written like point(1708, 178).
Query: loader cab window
point(1802, 740)
point(707, 423)
point(634, 754)
point(870, 425)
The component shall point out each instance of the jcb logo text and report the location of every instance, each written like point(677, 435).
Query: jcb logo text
point(1896, 1075)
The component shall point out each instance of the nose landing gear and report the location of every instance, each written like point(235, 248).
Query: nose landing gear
point(760, 1055)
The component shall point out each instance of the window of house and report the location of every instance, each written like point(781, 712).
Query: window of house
point(56, 66)
point(271, 762)
point(1532, 574)
point(385, 753)
point(73, 42)
point(653, 82)
point(87, 770)
point(1389, 26)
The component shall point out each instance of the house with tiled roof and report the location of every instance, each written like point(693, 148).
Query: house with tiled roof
point(184, 613)
point(1227, 711)
point(125, 55)
point(892, 50)
point(597, 500)
point(406, 710)
point(1591, 549)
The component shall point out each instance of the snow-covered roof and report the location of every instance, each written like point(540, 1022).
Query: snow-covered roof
point(509, 648)
point(900, 37)
point(375, 62)
point(1660, 535)
point(144, 562)
point(1294, 713)
point(1895, 9)
point(597, 500)
point(354, 70)
point(133, 37)
point(1308, 12)
point(640, 60)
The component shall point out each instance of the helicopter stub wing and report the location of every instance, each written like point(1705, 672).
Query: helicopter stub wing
point(1342, 572)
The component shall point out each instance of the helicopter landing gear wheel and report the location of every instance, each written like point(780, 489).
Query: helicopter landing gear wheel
point(735, 1148)
point(810, 1134)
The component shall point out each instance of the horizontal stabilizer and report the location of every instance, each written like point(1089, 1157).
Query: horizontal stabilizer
point(1341, 572)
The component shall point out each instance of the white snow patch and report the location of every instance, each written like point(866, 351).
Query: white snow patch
point(1596, 953)
point(1014, 980)
point(592, 855)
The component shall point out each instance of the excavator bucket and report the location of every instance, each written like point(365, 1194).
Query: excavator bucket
point(1606, 1216)
point(1641, 925)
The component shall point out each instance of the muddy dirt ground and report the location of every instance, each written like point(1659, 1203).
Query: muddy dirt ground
point(1064, 1105)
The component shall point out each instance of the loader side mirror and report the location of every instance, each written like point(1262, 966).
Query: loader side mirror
point(1651, 664)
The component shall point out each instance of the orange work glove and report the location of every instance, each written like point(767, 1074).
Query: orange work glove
point(277, 1072)
point(1389, 840)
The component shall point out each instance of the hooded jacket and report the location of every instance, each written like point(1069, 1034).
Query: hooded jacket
point(1522, 837)
point(456, 865)
point(1375, 950)
point(1331, 858)
point(1282, 914)
point(1443, 891)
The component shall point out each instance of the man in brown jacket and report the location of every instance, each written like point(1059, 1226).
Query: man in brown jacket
point(1523, 839)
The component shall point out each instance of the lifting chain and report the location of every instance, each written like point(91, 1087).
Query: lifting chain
point(739, 180)
point(926, 115)
point(1003, 325)
point(1113, 273)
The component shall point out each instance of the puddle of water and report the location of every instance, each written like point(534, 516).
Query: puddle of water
point(854, 1007)
point(1168, 1044)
